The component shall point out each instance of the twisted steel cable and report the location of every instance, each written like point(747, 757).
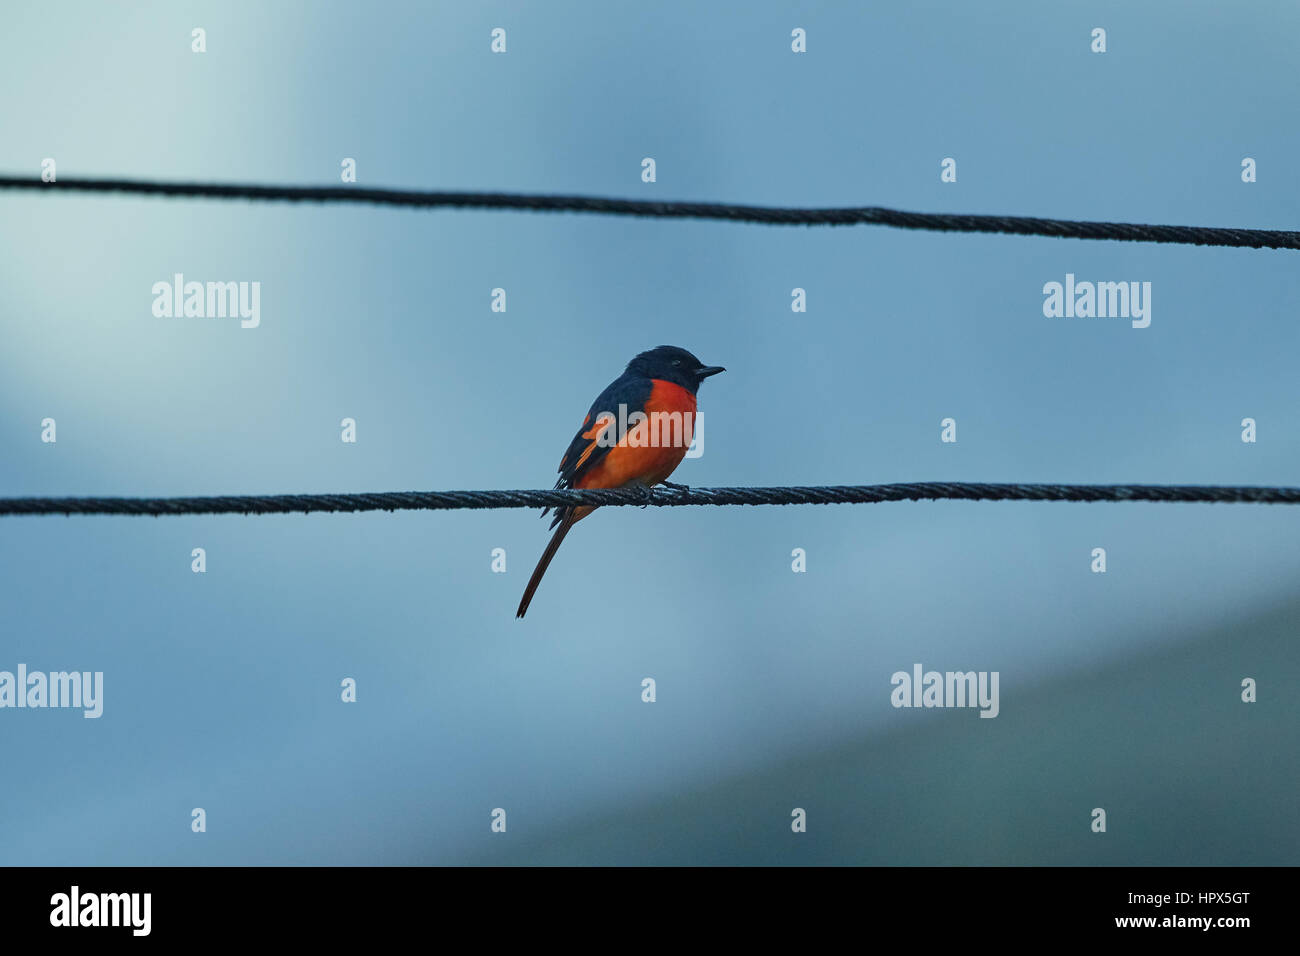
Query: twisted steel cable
point(615, 497)
point(729, 212)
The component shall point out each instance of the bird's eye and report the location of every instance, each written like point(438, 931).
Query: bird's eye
point(677, 361)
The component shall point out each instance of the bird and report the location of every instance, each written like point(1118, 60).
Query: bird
point(615, 449)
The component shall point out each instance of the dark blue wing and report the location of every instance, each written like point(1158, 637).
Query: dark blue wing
point(583, 452)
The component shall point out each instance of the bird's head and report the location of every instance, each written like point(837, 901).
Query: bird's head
point(674, 365)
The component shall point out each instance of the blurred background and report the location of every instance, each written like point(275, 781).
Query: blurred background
point(222, 690)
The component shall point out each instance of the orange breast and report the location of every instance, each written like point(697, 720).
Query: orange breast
point(651, 449)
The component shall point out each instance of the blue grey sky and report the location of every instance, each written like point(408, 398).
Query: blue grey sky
point(222, 688)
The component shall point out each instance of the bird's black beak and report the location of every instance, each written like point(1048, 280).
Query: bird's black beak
point(708, 370)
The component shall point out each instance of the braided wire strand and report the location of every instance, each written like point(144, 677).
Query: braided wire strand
point(623, 497)
point(729, 212)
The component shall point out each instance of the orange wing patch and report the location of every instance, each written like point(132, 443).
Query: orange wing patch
point(602, 422)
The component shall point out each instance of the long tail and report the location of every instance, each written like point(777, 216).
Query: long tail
point(565, 524)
